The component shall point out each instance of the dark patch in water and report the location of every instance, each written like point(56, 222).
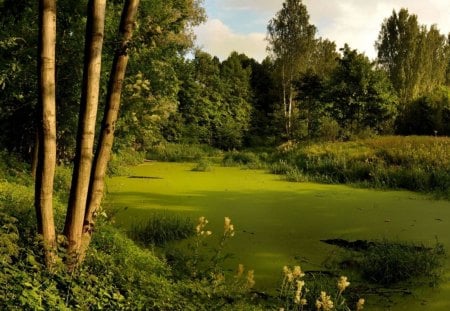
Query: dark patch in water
point(145, 177)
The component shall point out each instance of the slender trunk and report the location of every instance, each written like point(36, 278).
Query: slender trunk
point(35, 155)
point(86, 129)
point(106, 139)
point(47, 130)
point(290, 109)
point(285, 104)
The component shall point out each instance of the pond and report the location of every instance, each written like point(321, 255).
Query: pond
point(281, 223)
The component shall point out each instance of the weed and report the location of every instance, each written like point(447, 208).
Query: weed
point(387, 262)
point(202, 166)
point(161, 228)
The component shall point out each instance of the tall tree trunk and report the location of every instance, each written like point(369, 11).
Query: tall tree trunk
point(106, 139)
point(46, 129)
point(86, 129)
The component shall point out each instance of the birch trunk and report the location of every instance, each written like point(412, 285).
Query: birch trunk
point(46, 130)
point(106, 139)
point(86, 129)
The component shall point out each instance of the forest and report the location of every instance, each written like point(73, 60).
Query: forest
point(98, 98)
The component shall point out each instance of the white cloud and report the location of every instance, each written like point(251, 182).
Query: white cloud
point(217, 39)
point(255, 5)
point(358, 22)
point(354, 22)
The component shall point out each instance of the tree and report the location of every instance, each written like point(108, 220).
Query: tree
point(291, 39)
point(47, 129)
point(414, 57)
point(81, 212)
point(361, 95)
point(102, 155)
point(86, 128)
point(311, 88)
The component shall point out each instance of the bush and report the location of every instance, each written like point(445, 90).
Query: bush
point(120, 161)
point(202, 166)
point(243, 158)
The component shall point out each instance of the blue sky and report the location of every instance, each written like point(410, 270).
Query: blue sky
point(241, 24)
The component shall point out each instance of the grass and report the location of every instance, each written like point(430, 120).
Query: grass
point(388, 263)
point(279, 223)
point(182, 152)
point(415, 163)
point(161, 228)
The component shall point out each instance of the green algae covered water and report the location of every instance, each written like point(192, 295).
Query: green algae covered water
point(280, 223)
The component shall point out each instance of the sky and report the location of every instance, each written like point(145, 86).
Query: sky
point(240, 25)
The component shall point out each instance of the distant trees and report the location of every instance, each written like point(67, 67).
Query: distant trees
point(415, 57)
point(417, 61)
point(362, 97)
point(215, 101)
point(291, 41)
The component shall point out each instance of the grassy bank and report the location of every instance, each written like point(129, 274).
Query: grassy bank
point(413, 163)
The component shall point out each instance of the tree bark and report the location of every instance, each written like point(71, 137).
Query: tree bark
point(46, 130)
point(86, 129)
point(96, 187)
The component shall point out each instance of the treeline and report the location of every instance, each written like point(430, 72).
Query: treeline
point(305, 89)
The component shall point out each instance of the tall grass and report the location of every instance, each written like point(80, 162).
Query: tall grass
point(161, 228)
point(413, 163)
point(171, 152)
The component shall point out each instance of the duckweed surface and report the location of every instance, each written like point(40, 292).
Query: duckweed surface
point(280, 223)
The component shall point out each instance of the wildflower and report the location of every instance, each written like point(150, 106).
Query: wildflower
point(324, 302)
point(240, 271)
point(250, 278)
point(298, 272)
point(228, 227)
point(342, 284)
point(286, 270)
point(202, 222)
point(303, 302)
point(290, 277)
point(360, 304)
point(300, 285)
point(227, 223)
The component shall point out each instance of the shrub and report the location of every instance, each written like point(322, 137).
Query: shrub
point(243, 158)
point(202, 166)
point(280, 168)
point(295, 175)
point(120, 161)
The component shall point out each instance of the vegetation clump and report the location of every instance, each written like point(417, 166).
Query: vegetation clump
point(413, 163)
point(161, 228)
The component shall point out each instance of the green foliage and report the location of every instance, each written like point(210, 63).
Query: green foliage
point(427, 115)
point(244, 158)
point(215, 101)
point(161, 228)
point(121, 160)
point(413, 163)
point(181, 152)
point(203, 166)
point(387, 262)
point(415, 57)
